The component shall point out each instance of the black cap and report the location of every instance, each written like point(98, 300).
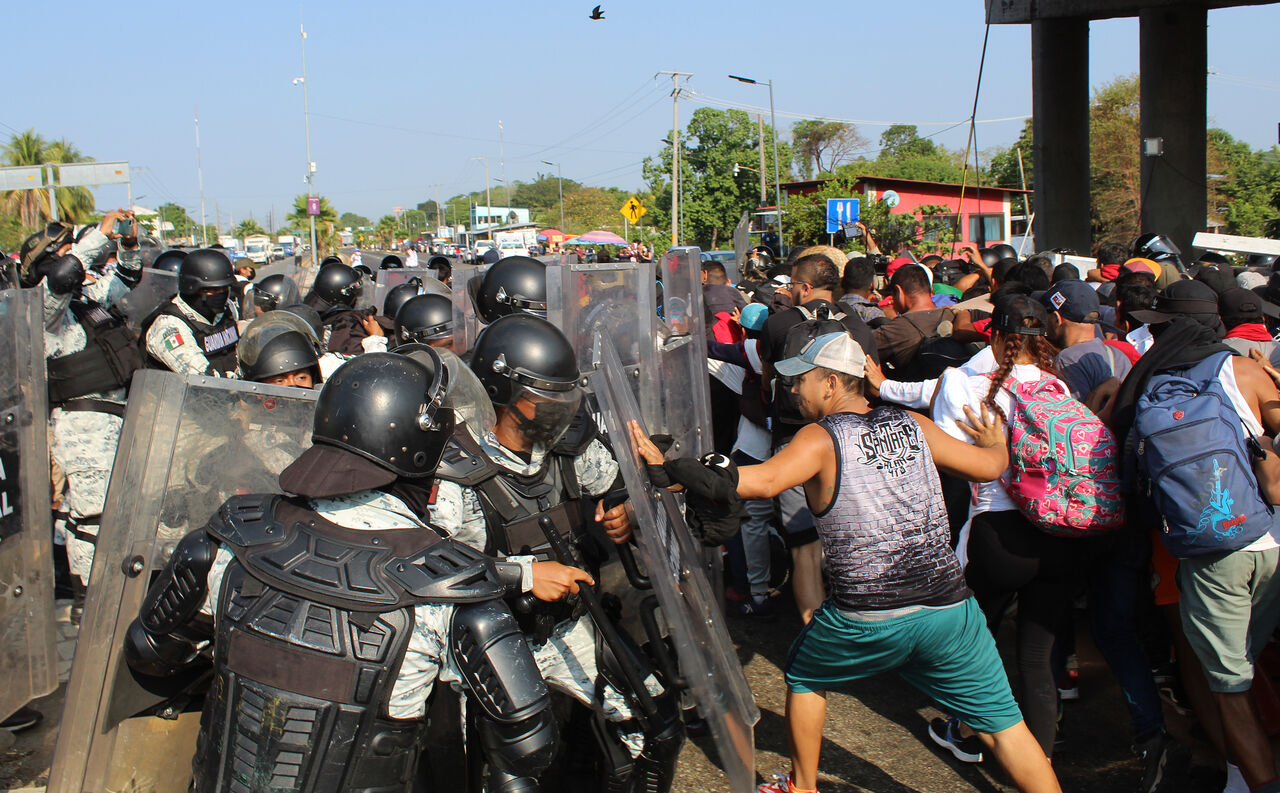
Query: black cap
point(1218, 279)
point(1240, 306)
point(1011, 310)
point(1181, 298)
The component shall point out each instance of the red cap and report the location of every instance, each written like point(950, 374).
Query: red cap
point(895, 264)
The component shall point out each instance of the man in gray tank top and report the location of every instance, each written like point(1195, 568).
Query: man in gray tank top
point(897, 600)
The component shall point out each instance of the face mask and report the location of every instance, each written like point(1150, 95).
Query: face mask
point(210, 305)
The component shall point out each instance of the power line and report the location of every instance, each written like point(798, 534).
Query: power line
point(731, 103)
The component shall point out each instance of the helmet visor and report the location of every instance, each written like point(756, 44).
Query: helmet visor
point(544, 416)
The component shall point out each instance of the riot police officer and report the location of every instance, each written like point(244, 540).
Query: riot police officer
point(398, 295)
point(195, 332)
point(91, 356)
point(334, 295)
point(539, 460)
point(335, 611)
point(273, 292)
point(279, 348)
point(426, 319)
point(514, 285)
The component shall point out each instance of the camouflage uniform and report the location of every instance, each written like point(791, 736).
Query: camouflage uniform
point(170, 341)
point(83, 443)
point(567, 660)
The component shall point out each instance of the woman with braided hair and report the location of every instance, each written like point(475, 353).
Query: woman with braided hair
point(1004, 553)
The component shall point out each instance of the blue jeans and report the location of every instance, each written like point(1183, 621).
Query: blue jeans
point(1119, 578)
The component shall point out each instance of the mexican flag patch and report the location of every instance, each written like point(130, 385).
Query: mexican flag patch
point(173, 340)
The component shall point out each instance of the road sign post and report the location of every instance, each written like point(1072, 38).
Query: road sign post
point(842, 213)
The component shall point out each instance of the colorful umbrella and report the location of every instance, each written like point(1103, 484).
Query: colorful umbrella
point(551, 235)
point(600, 238)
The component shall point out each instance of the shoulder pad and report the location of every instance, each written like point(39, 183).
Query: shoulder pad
point(464, 462)
point(448, 572)
point(581, 432)
point(246, 521)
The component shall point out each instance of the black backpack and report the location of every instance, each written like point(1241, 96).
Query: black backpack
point(818, 322)
point(937, 352)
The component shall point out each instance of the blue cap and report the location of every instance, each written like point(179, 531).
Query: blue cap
point(753, 316)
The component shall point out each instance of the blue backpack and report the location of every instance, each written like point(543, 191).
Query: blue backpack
point(1193, 454)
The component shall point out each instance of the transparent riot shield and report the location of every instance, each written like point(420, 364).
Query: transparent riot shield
point(188, 443)
point(681, 406)
point(28, 659)
point(615, 300)
point(466, 325)
point(156, 287)
point(707, 660)
point(386, 280)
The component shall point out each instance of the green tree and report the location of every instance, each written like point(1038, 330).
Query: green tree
point(820, 146)
point(713, 198)
point(326, 236)
point(1114, 162)
point(1002, 167)
point(593, 208)
point(247, 227)
point(31, 207)
point(1243, 184)
point(906, 155)
point(926, 228)
point(387, 230)
point(351, 220)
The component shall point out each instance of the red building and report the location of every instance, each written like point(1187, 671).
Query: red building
point(995, 217)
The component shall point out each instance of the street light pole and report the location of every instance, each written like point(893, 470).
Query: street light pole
point(560, 180)
point(676, 225)
point(777, 181)
point(311, 166)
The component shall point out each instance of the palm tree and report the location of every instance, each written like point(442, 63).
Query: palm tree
point(32, 206)
point(327, 218)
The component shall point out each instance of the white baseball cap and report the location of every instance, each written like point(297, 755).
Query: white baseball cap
point(836, 351)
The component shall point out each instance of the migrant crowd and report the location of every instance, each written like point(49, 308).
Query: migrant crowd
point(940, 444)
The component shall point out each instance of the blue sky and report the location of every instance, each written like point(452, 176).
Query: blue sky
point(402, 94)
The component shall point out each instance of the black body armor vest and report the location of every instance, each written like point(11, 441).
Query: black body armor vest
point(313, 624)
point(217, 342)
point(107, 362)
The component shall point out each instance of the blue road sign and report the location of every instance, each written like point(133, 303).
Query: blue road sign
point(841, 212)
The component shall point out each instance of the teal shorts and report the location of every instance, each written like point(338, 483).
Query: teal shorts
point(947, 653)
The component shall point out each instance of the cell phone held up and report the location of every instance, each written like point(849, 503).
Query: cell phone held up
point(124, 227)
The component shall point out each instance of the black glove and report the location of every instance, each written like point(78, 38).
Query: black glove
point(715, 511)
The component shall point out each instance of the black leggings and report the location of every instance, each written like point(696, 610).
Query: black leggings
point(1009, 556)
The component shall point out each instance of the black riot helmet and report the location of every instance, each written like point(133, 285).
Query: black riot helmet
point(514, 285)
point(424, 318)
point(1158, 248)
point(41, 248)
point(308, 315)
point(989, 256)
point(398, 295)
point(528, 366)
point(442, 267)
point(331, 259)
point(169, 261)
point(63, 275)
point(389, 409)
point(275, 291)
point(278, 343)
point(1213, 259)
point(1262, 261)
point(336, 283)
point(1005, 251)
point(204, 269)
point(391, 262)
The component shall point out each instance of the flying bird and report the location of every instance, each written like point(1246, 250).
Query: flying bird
point(596, 13)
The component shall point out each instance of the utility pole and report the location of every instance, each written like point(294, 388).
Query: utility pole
point(204, 232)
point(489, 209)
point(560, 180)
point(675, 151)
point(311, 166)
point(502, 164)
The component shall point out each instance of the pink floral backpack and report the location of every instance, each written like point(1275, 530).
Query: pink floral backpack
point(1064, 463)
